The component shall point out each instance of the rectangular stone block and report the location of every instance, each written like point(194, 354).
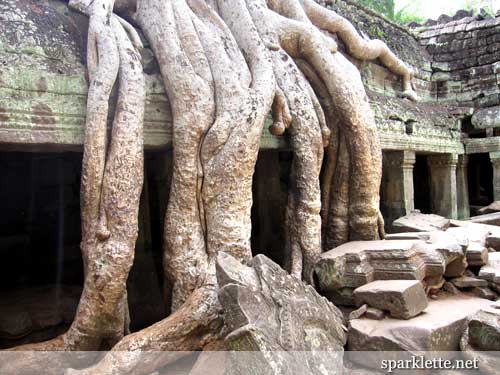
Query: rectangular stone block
point(404, 299)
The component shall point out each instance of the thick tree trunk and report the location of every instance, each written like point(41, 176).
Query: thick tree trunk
point(225, 64)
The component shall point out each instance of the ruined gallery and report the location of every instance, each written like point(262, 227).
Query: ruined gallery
point(298, 180)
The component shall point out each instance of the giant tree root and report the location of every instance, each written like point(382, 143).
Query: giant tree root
point(111, 185)
point(224, 64)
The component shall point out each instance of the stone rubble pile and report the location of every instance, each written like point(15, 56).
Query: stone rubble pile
point(428, 287)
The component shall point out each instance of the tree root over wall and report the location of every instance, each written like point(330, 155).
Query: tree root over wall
point(225, 65)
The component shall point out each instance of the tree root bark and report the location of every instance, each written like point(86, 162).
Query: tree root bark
point(111, 186)
point(224, 64)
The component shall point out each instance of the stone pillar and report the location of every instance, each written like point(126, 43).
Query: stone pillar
point(495, 163)
point(397, 184)
point(463, 208)
point(442, 169)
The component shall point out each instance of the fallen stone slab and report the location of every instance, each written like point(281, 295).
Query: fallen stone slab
point(424, 236)
point(418, 222)
point(475, 232)
point(269, 311)
point(490, 219)
point(404, 299)
point(439, 328)
point(468, 282)
point(492, 208)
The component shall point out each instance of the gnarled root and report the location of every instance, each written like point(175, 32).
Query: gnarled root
point(111, 186)
point(359, 47)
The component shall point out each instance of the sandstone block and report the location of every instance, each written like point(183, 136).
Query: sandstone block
point(374, 313)
point(484, 292)
point(439, 329)
point(476, 254)
point(491, 271)
point(418, 222)
point(358, 313)
point(468, 282)
point(404, 299)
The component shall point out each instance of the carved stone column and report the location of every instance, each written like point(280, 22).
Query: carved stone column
point(397, 184)
point(495, 163)
point(442, 169)
point(463, 209)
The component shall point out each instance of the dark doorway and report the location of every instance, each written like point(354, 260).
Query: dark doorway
point(422, 184)
point(480, 179)
point(41, 268)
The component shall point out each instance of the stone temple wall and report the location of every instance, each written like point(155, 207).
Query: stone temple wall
point(465, 69)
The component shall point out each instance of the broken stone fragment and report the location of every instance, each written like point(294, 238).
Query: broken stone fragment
point(418, 222)
point(476, 254)
point(404, 299)
point(468, 282)
point(481, 338)
point(341, 270)
point(450, 288)
point(484, 292)
point(493, 241)
point(358, 313)
point(491, 270)
point(269, 311)
point(351, 265)
point(374, 313)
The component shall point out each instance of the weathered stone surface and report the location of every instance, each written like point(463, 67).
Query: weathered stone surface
point(438, 329)
point(404, 299)
point(358, 313)
point(484, 328)
point(493, 241)
point(490, 219)
point(486, 118)
point(266, 309)
point(481, 338)
point(360, 262)
point(482, 335)
point(491, 271)
point(424, 236)
point(484, 292)
point(341, 270)
point(374, 313)
point(467, 232)
point(476, 254)
point(492, 208)
point(417, 222)
point(468, 282)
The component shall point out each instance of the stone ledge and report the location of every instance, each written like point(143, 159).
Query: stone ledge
point(40, 110)
point(482, 145)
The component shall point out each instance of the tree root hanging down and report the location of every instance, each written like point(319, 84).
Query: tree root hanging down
point(225, 65)
point(112, 180)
